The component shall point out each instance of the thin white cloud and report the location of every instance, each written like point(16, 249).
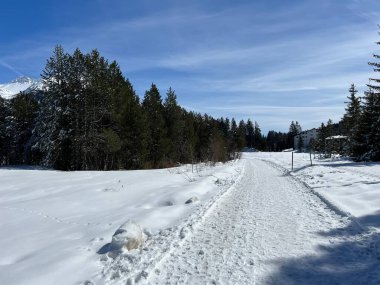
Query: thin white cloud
point(11, 68)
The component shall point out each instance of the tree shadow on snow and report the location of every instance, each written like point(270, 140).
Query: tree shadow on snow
point(24, 167)
point(351, 164)
point(352, 257)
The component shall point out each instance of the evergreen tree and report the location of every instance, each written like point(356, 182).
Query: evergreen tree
point(217, 146)
point(250, 133)
point(294, 130)
point(51, 131)
point(321, 138)
point(153, 108)
point(351, 121)
point(23, 110)
point(371, 115)
point(3, 128)
point(131, 124)
point(259, 141)
point(301, 143)
point(233, 138)
point(241, 135)
point(175, 128)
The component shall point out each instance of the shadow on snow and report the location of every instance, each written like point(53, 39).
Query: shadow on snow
point(352, 257)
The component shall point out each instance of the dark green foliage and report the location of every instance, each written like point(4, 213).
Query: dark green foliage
point(157, 147)
point(361, 122)
point(351, 123)
point(23, 111)
point(17, 119)
point(294, 129)
point(3, 138)
point(241, 135)
point(175, 126)
point(250, 133)
point(278, 141)
point(370, 122)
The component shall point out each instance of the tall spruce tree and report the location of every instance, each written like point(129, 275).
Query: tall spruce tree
point(152, 105)
point(131, 124)
point(52, 129)
point(371, 114)
point(257, 137)
point(175, 128)
point(3, 128)
point(250, 133)
point(23, 110)
point(233, 138)
point(241, 135)
point(294, 130)
point(351, 120)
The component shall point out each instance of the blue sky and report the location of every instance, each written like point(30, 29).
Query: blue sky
point(273, 61)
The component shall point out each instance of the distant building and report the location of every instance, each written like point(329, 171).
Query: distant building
point(307, 137)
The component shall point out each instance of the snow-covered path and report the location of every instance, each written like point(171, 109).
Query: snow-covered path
point(268, 229)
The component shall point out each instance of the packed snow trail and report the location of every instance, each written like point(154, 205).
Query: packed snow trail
point(265, 222)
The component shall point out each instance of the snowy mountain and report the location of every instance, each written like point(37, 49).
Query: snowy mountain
point(23, 83)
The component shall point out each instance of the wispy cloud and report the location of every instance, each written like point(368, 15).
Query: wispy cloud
point(9, 67)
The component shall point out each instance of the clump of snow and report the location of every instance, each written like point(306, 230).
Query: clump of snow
point(127, 237)
point(192, 200)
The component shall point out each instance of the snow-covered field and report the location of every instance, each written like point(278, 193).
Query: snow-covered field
point(54, 224)
point(256, 222)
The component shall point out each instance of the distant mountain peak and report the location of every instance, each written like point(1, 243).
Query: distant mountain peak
point(23, 79)
point(20, 84)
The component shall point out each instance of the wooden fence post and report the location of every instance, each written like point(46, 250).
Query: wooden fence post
point(292, 160)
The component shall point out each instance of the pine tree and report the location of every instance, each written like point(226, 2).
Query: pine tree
point(371, 114)
point(294, 130)
point(3, 128)
point(233, 138)
point(250, 133)
point(257, 138)
point(131, 124)
point(152, 105)
point(175, 128)
point(50, 132)
point(23, 111)
point(241, 135)
point(351, 121)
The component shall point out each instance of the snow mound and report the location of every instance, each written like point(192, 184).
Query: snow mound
point(129, 236)
point(192, 200)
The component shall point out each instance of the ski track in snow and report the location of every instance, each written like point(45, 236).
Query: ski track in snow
point(264, 223)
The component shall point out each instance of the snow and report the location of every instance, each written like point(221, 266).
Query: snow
point(23, 83)
point(53, 224)
point(129, 236)
point(336, 137)
point(255, 222)
point(353, 188)
point(271, 229)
